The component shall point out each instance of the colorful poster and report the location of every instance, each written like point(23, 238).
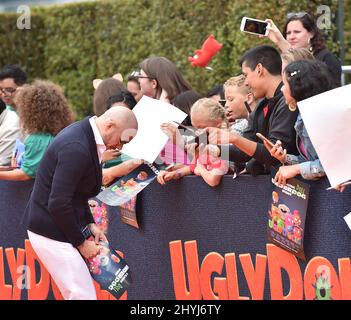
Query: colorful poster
point(129, 186)
point(287, 215)
point(110, 270)
point(99, 211)
point(127, 212)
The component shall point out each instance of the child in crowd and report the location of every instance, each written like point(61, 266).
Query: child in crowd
point(239, 103)
point(204, 113)
point(43, 112)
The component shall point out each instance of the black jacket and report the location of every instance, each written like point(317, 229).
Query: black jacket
point(68, 175)
point(276, 124)
point(333, 64)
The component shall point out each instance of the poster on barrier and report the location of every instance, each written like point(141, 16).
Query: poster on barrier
point(129, 186)
point(128, 214)
point(287, 215)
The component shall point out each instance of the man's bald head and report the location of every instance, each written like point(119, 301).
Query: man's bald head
point(118, 125)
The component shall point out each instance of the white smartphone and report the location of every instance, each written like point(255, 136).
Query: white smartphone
point(254, 26)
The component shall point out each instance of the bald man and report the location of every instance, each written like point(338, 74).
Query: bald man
point(69, 174)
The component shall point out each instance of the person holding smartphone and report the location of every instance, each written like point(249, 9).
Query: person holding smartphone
point(205, 112)
point(261, 67)
point(302, 79)
point(301, 31)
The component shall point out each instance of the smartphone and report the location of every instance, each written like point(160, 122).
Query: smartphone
point(202, 137)
point(254, 26)
point(263, 138)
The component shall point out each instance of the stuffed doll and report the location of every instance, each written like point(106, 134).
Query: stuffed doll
point(203, 56)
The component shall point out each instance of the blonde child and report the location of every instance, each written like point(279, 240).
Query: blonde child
point(204, 113)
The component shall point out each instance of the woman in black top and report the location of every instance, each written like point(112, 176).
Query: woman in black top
point(301, 31)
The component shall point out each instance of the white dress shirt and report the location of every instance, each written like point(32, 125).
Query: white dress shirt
point(100, 146)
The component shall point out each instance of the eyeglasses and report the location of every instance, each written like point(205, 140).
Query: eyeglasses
point(298, 15)
point(8, 90)
point(143, 77)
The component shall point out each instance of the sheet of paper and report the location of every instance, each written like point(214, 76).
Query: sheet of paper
point(327, 118)
point(150, 139)
point(347, 219)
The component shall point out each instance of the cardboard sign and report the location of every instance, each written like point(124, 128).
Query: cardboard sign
point(327, 118)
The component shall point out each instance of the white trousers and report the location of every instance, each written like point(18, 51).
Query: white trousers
point(66, 266)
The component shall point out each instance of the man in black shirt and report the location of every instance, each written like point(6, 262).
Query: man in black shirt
point(272, 118)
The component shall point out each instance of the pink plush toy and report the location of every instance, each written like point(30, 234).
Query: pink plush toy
point(209, 48)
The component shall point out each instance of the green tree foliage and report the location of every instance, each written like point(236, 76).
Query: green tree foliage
point(76, 43)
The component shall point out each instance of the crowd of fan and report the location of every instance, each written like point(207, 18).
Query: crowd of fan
point(263, 99)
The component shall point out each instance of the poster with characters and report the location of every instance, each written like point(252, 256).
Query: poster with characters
point(110, 270)
point(127, 187)
point(127, 212)
point(98, 210)
point(287, 215)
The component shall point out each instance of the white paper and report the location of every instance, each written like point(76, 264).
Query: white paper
point(150, 139)
point(347, 219)
point(327, 118)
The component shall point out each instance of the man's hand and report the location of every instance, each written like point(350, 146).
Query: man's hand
point(210, 149)
point(219, 136)
point(97, 233)
point(89, 249)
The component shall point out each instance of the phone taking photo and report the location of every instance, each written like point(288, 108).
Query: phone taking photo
point(199, 137)
point(263, 138)
point(254, 26)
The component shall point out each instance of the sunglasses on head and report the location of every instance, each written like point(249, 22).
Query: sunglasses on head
point(138, 75)
point(298, 15)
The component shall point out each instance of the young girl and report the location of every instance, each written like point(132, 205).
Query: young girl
point(43, 112)
point(204, 113)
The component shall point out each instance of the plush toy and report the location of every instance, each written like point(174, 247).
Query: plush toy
point(203, 56)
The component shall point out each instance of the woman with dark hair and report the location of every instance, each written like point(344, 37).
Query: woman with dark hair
point(302, 79)
point(43, 112)
point(123, 98)
point(133, 86)
point(160, 79)
point(184, 102)
point(301, 31)
point(106, 89)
